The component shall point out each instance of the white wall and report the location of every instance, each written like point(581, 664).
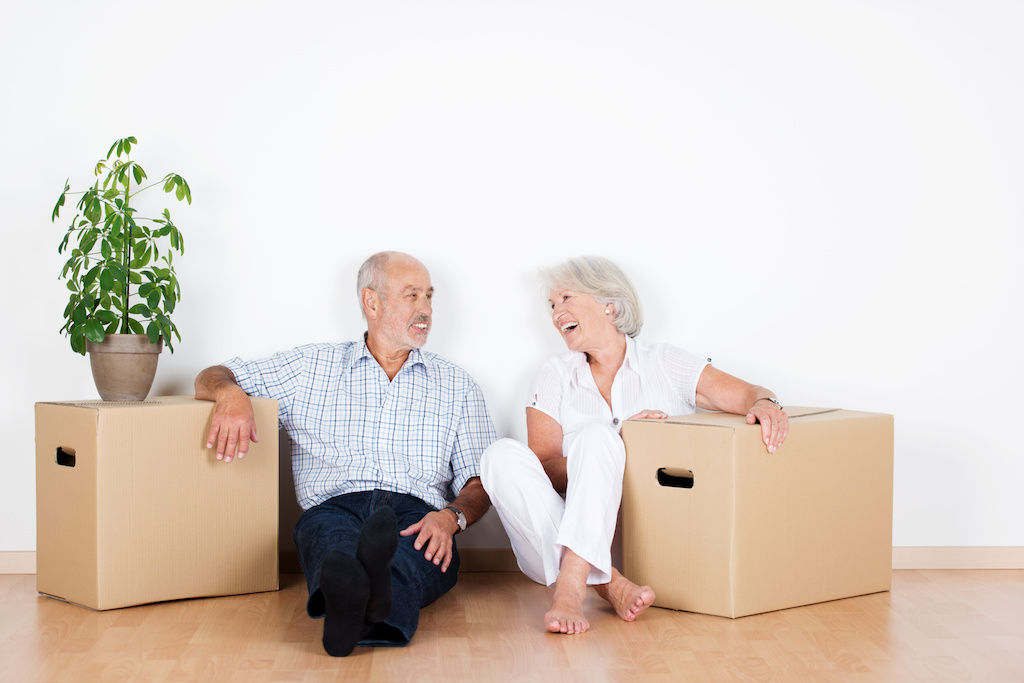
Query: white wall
point(825, 197)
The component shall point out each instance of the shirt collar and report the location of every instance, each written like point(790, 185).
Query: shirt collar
point(630, 361)
point(416, 357)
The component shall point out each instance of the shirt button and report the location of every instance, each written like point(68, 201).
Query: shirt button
point(615, 420)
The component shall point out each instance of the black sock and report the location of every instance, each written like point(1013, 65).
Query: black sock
point(345, 588)
point(377, 544)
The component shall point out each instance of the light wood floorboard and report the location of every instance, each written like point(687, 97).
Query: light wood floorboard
point(933, 626)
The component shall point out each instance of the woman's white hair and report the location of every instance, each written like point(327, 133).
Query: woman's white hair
point(603, 280)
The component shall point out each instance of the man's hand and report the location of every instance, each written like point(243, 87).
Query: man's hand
point(435, 532)
point(774, 423)
point(233, 425)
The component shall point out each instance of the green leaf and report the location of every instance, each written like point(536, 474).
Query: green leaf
point(94, 330)
point(180, 193)
point(112, 327)
point(139, 175)
point(111, 150)
point(106, 316)
point(105, 250)
point(80, 313)
point(78, 339)
point(145, 289)
point(120, 147)
point(89, 240)
point(107, 280)
point(153, 332)
point(127, 147)
point(91, 276)
point(131, 139)
point(135, 326)
point(60, 202)
point(93, 210)
point(153, 299)
point(134, 277)
point(140, 309)
point(110, 194)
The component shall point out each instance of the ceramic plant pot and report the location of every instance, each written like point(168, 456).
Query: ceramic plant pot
point(124, 365)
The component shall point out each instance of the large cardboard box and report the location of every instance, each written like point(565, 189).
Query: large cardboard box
point(131, 507)
point(715, 524)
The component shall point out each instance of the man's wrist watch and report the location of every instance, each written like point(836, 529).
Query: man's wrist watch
point(459, 517)
point(773, 400)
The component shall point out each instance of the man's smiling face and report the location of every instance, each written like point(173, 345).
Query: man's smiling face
point(404, 318)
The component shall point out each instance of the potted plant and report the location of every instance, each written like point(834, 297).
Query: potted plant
point(121, 275)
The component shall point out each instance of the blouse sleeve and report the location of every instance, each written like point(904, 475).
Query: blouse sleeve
point(683, 369)
point(546, 390)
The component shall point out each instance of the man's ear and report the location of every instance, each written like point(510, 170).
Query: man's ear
point(371, 303)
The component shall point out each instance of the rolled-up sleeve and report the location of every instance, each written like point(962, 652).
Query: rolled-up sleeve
point(274, 377)
point(475, 433)
point(546, 390)
point(683, 370)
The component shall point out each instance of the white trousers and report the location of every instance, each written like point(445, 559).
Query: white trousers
point(539, 523)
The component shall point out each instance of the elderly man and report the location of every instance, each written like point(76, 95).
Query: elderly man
point(385, 437)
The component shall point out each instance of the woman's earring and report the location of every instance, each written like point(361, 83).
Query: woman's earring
point(607, 311)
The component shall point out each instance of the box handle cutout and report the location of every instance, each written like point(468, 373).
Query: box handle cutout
point(66, 456)
point(676, 477)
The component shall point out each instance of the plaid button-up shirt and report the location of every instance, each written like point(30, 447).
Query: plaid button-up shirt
point(353, 430)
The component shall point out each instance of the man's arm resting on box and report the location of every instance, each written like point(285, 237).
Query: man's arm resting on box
point(717, 390)
point(233, 425)
point(436, 529)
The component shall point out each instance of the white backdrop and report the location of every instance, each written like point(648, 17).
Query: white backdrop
point(824, 197)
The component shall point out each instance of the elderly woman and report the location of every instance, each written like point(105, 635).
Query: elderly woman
point(558, 497)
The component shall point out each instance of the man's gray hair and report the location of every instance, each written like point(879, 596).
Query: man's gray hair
point(372, 276)
point(603, 280)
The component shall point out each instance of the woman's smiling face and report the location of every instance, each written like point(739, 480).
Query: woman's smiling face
point(581, 320)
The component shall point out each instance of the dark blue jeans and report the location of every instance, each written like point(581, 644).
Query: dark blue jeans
point(415, 582)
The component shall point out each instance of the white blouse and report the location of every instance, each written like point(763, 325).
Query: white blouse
point(656, 377)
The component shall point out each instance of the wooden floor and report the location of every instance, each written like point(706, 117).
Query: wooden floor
point(933, 626)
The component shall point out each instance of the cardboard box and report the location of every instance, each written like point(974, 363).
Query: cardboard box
point(132, 508)
point(752, 532)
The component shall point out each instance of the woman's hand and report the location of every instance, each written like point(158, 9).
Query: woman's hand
point(774, 423)
point(650, 415)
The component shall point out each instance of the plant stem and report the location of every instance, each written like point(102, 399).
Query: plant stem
point(147, 187)
point(125, 329)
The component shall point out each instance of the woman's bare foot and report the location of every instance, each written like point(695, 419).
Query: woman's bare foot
point(628, 599)
point(566, 613)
